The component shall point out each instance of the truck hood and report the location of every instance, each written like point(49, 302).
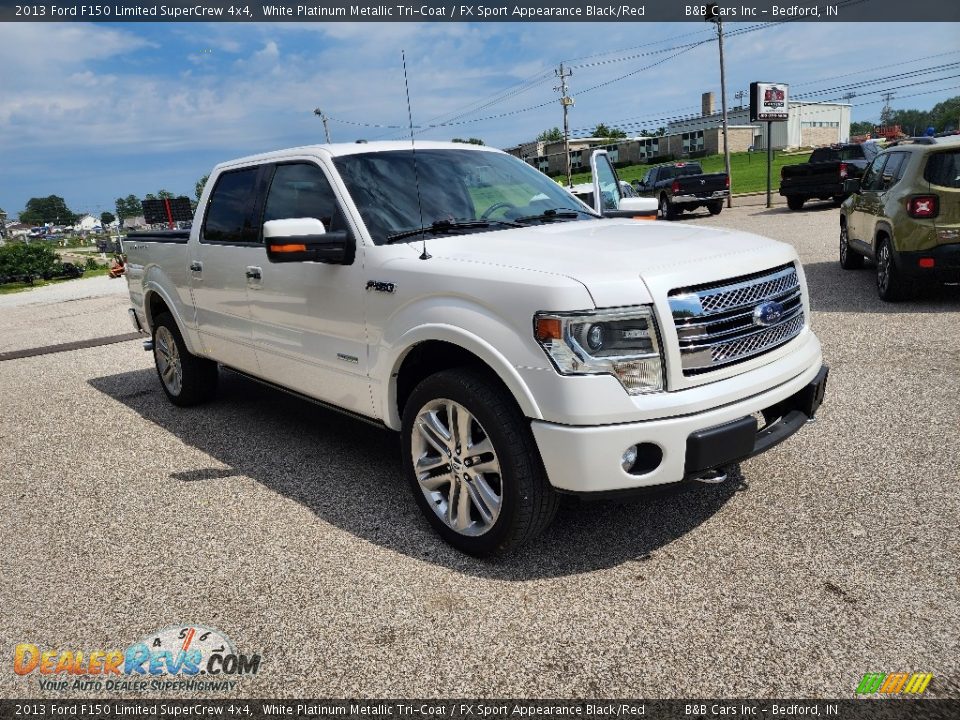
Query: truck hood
point(621, 262)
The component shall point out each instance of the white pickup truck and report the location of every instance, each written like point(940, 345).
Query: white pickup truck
point(521, 343)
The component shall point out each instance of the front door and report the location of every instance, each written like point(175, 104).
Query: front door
point(308, 317)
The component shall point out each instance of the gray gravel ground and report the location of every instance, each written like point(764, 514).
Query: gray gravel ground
point(289, 528)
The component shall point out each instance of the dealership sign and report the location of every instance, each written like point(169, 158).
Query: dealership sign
point(769, 101)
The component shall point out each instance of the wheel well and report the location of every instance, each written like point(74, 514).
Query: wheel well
point(428, 358)
point(155, 306)
point(882, 234)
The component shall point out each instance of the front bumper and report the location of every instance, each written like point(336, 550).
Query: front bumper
point(586, 460)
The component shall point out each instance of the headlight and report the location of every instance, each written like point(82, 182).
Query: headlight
point(623, 343)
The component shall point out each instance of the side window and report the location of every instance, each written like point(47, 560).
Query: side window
point(872, 176)
point(893, 170)
point(302, 190)
point(609, 186)
point(943, 169)
point(232, 209)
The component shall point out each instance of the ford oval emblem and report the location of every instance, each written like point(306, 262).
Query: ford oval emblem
point(767, 313)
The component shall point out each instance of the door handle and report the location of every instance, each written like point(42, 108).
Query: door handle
point(196, 266)
point(253, 273)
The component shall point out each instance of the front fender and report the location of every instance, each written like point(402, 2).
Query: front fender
point(467, 340)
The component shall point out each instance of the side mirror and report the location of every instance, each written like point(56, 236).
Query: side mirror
point(305, 240)
point(635, 207)
point(851, 186)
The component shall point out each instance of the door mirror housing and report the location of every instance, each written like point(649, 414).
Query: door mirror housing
point(851, 186)
point(306, 240)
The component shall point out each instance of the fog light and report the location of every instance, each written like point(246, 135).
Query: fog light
point(642, 459)
point(629, 458)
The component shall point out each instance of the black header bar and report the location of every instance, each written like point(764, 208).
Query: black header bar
point(632, 11)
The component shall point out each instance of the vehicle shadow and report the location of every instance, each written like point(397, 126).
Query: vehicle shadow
point(833, 289)
point(348, 473)
point(811, 207)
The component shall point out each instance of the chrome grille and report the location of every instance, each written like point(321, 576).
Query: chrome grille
point(729, 322)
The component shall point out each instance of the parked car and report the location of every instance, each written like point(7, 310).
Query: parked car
point(823, 176)
point(904, 213)
point(522, 344)
point(684, 186)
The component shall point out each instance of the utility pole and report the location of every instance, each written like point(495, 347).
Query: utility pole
point(887, 110)
point(326, 129)
point(565, 101)
point(739, 96)
point(714, 16)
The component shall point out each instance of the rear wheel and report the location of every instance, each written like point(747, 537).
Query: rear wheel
point(186, 379)
point(891, 285)
point(472, 463)
point(667, 211)
point(715, 207)
point(849, 258)
point(795, 203)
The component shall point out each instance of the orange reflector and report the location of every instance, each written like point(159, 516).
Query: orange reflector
point(548, 329)
point(288, 248)
point(926, 262)
point(645, 217)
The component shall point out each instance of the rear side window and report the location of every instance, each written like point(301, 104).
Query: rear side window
point(852, 152)
point(232, 209)
point(943, 169)
point(893, 170)
point(873, 176)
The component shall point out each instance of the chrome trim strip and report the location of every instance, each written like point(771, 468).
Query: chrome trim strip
point(714, 300)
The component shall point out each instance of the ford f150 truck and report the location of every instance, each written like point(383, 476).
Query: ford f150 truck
point(684, 186)
point(823, 176)
point(522, 344)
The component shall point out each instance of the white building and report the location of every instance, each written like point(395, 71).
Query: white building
point(809, 124)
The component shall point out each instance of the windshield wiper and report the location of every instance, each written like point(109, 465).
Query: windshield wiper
point(554, 214)
point(440, 227)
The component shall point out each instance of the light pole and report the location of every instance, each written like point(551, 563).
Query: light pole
point(326, 130)
point(713, 15)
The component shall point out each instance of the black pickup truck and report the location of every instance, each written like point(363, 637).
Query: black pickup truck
point(684, 186)
point(823, 175)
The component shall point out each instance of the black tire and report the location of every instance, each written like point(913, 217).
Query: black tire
point(197, 376)
point(838, 200)
point(891, 285)
point(715, 207)
point(850, 259)
point(795, 203)
point(527, 502)
point(666, 210)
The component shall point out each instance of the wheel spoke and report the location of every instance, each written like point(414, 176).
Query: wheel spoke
point(462, 435)
point(432, 483)
point(463, 507)
point(433, 432)
point(427, 465)
point(484, 499)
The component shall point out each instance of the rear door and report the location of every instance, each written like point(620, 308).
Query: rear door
point(224, 263)
point(866, 205)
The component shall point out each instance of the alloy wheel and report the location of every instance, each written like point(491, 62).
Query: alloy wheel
point(167, 357)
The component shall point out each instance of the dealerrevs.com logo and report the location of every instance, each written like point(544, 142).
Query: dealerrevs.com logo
point(179, 657)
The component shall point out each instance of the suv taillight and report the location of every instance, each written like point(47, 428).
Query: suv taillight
point(923, 206)
point(843, 171)
point(726, 181)
point(675, 187)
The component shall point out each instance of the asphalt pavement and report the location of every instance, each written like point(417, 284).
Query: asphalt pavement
point(290, 529)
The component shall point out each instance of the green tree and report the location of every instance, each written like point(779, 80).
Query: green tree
point(27, 259)
point(552, 135)
point(946, 115)
point(129, 207)
point(201, 184)
point(52, 209)
point(468, 141)
point(861, 128)
point(107, 217)
point(602, 131)
point(164, 195)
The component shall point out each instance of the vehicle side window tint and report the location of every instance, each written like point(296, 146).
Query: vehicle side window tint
point(852, 153)
point(301, 190)
point(232, 209)
point(943, 169)
point(892, 170)
point(872, 175)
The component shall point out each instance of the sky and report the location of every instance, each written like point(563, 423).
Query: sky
point(91, 112)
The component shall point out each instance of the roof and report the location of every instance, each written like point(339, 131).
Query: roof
point(343, 149)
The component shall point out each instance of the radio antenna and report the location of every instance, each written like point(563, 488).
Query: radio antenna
point(413, 149)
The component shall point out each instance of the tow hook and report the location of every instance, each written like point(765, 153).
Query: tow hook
point(148, 345)
point(712, 477)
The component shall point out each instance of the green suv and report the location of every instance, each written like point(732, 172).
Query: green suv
point(904, 214)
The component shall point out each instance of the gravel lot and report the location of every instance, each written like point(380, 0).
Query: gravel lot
point(289, 528)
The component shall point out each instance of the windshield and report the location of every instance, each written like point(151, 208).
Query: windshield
point(456, 186)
